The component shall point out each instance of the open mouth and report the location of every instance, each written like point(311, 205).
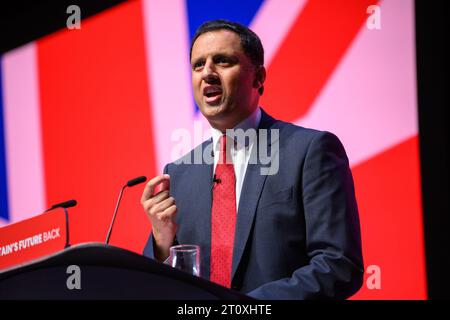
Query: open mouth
point(212, 93)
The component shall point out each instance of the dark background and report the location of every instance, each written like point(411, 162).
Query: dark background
point(24, 21)
point(432, 77)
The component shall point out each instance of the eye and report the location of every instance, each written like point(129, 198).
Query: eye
point(197, 65)
point(222, 60)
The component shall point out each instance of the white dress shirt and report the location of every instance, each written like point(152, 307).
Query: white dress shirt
point(239, 153)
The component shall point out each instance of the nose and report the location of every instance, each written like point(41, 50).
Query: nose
point(209, 72)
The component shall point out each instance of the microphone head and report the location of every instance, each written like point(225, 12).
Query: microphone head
point(136, 181)
point(69, 203)
point(65, 204)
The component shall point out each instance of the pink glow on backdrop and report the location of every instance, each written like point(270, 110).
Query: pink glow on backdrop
point(23, 133)
point(168, 72)
point(273, 22)
point(370, 100)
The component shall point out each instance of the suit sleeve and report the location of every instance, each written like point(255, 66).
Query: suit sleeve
point(333, 243)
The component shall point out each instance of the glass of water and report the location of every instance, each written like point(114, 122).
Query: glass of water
point(185, 257)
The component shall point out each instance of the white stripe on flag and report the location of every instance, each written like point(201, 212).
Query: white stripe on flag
point(23, 139)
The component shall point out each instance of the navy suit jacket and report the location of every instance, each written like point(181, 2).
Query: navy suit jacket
point(297, 232)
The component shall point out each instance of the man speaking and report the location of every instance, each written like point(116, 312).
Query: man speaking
point(287, 230)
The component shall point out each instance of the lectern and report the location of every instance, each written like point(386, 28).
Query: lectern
point(106, 272)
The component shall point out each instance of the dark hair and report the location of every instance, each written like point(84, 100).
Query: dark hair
point(250, 42)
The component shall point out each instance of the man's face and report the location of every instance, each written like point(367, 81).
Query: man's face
point(223, 78)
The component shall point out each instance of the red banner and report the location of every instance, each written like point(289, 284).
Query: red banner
point(32, 238)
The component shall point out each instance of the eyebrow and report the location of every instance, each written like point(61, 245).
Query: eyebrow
point(234, 58)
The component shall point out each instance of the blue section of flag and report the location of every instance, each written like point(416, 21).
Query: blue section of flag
point(4, 213)
point(242, 11)
point(200, 11)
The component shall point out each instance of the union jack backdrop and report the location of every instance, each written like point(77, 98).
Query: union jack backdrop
point(83, 111)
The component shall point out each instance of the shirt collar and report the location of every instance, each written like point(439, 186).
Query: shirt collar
point(251, 122)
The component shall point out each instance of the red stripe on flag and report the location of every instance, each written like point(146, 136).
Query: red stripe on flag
point(97, 124)
point(389, 201)
point(309, 54)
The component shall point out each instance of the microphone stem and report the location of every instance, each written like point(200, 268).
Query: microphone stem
point(66, 212)
point(114, 216)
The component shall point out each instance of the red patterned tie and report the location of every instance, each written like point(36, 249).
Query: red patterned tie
point(223, 218)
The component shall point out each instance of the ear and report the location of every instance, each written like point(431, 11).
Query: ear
point(260, 77)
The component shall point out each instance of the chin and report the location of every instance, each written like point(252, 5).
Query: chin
point(212, 111)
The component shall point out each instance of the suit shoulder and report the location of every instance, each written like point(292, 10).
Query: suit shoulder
point(295, 137)
point(288, 129)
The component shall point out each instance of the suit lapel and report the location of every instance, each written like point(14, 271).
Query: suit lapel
point(250, 193)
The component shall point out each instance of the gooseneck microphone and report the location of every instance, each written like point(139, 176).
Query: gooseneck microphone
point(64, 205)
point(130, 183)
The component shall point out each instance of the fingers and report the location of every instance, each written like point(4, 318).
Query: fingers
point(169, 213)
point(149, 189)
point(164, 211)
point(158, 204)
point(165, 184)
point(162, 206)
point(160, 196)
